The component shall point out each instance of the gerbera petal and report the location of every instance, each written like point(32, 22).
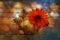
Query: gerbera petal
point(40, 13)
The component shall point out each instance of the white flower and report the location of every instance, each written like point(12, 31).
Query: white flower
point(54, 14)
point(17, 13)
point(39, 6)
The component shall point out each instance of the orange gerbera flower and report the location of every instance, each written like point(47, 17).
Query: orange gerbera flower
point(38, 17)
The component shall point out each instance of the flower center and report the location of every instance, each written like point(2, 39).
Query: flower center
point(37, 18)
